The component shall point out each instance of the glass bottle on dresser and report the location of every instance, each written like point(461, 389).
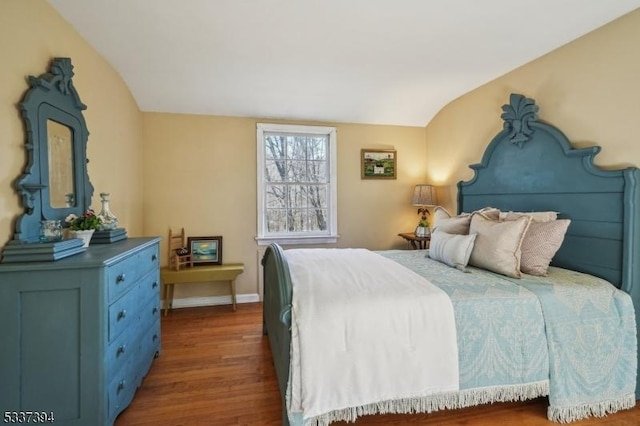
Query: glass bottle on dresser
point(108, 221)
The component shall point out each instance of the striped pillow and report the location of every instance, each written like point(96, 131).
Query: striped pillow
point(451, 249)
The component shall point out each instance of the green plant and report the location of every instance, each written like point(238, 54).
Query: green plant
point(424, 222)
point(87, 221)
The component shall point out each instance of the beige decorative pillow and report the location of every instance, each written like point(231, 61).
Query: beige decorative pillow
point(449, 224)
point(440, 213)
point(535, 216)
point(489, 213)
point(451, 249)
point(497, 245)
point(459, 224)
point(541, 242)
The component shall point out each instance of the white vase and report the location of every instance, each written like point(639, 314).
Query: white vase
point(84, 235)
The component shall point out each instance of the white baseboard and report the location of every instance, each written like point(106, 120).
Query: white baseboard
point(190, 302)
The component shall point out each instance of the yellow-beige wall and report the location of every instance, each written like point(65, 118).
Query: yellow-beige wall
point(200, 174)
point(589, 89)
point(33, 33)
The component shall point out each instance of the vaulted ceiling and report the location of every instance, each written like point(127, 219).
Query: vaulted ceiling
point(363, 61)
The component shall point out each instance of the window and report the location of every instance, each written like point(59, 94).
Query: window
point(296, 184)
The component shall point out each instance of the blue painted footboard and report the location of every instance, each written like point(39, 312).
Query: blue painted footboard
point(277, 315)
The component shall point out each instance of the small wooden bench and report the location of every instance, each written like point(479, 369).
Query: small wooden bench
point(197, 274)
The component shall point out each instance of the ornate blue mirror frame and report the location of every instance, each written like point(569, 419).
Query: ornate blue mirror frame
point(51, 99)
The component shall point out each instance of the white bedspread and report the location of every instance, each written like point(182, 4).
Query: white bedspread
point(365, 330)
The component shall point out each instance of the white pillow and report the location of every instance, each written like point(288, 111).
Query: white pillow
point(497, 246)
point(451, 249)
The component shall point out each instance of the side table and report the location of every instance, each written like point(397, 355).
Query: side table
point(416, 242)
point(226, 272)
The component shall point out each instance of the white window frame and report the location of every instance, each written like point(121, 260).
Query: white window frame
point(330, 235)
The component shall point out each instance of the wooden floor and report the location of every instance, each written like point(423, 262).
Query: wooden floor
point(215, 369)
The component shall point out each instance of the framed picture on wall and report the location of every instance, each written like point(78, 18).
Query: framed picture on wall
point(205, 250)
point(378, 163)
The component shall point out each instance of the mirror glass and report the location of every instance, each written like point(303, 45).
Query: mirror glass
point(61, 179)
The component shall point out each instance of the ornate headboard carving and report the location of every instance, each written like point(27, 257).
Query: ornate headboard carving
point(531, 166)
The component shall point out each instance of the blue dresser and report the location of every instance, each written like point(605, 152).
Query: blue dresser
point(78, 335)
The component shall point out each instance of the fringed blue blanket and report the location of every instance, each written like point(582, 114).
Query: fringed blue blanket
point(591, 336)
point(569, 335)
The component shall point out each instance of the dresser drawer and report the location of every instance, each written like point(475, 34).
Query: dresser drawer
point(123, 313)
point(119, 353)
point(121, 390)
point(150, 288)
point(149, 346)
point(149, 314)
point(148, 328)
point(126, 273)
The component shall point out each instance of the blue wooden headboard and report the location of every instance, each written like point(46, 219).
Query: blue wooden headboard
point(531, 166)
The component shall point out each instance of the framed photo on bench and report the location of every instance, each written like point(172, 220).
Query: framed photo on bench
point(205, 250)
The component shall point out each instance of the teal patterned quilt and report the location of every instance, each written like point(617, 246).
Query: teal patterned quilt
point(568, 335)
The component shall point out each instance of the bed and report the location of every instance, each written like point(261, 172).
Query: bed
point(530, 166)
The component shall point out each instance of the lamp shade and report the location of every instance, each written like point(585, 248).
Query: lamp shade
point(424, 195)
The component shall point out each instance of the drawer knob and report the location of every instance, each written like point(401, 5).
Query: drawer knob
point(121, 385)
point(120, 278)
point(155, 310)
point(120, 350)
point(155, 337)
point(122, 314)
point(154, 285)
point(154, 257)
